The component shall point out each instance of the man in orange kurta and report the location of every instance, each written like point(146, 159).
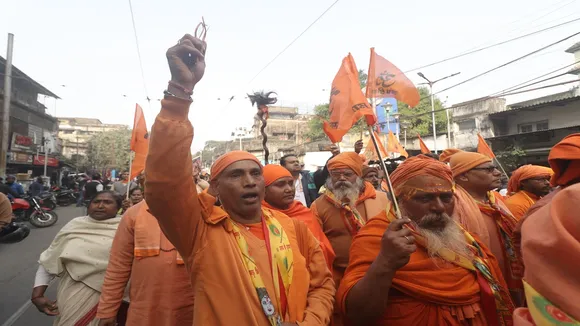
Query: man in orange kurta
point(476, 174)
point(345, 206)
point(551, 253)
point(423, 269)
point(280, 197)
point(159, 290)
point(526, 186)
point(248, 265)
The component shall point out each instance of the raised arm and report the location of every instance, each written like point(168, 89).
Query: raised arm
point(119, 269)
point(169, 189)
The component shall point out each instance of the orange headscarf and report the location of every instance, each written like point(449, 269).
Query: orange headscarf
point(228, 159)
point(445, 156)
point(416, 166)
point(366, 169)
point(346, 160)
point(526, 172)
point(462, 162)
point(551, 251)
point(273, 172)
point(564, 159)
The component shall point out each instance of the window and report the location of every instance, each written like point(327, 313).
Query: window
point(526, 128)
point(542, 125)
point(466, 124)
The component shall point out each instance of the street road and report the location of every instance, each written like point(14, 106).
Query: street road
point(18, 265)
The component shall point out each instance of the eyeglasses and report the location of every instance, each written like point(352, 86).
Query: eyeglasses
point(489, 169)
point(338, 174)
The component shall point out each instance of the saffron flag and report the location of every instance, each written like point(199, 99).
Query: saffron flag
point(347, 102)
point(386, 80)
point(424, 148)
point(139, 142)
point(370, 151)
point(483, 147)
point(393, 145)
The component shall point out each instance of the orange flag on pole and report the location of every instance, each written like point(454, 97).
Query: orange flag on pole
point(347, 102)
point(424, 148)
point(370, 151)
point(139, 142)
point(393, 145)
point(483, 147)
point(386, 80)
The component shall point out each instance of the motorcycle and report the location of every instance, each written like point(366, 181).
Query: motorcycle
point(30, 209)
point(48, 200)
point(65, 197)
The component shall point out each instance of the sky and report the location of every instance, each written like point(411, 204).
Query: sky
point(90, 48)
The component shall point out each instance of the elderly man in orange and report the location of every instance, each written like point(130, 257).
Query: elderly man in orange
point(526, 186)
point(551, 252)
point(345, 206)
point(423, 269)
point(280, 197)
point(476, 174)
point(248, 265)
point(143, 255)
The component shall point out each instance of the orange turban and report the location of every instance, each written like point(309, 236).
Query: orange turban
point(564, 159)
point(527, 172)
point(273, 172)
point(462, 162)
point(346, 160)
point(228, 159)
point(419, 165)
point(445, 156)
point(366, 169)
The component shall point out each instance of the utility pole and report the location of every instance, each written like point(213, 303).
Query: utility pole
point(5, 119)
point(431, 83)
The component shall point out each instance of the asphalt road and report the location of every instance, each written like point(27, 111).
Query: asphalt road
point(18, 265)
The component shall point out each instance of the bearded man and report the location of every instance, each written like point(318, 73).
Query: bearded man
point(423, 269)
point(251, 265)
point(526, 186)
point(371, 175)
point(476, 174)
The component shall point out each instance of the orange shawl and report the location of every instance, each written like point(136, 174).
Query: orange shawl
point(506, 225)
point(147, 233)
point(434, 291)
point(350, 216)
point(300, 212)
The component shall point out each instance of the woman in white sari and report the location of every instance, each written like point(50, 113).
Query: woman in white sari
point(78, 255)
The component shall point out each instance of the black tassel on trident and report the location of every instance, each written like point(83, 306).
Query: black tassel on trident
point(262, 100)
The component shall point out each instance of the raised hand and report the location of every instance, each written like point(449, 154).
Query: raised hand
point(186, 62)
point(358, 146)
point(397, 244)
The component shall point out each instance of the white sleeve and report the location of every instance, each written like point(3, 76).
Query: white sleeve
point(100, 187)
point(42, 277)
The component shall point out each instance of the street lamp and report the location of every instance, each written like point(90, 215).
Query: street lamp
point(431, 83)
point(388, 108)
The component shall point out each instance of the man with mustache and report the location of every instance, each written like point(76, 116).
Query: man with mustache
point(345, 207)
point(371, 175)
point(248, 265)
point(476, 174)
point(423, 269)
point(526, 186)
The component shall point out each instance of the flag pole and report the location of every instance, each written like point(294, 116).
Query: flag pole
point(130, 168)
point(384, 167)
point(501, 167)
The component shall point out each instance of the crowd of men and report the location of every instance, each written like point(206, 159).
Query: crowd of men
point(275, 245)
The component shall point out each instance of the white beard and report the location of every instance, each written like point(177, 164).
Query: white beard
point(450, 237)
point(348, 194)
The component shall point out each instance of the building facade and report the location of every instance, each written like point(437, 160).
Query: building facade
point(74, 134)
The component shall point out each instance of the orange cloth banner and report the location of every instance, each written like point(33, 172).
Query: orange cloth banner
point(483, 147)
point(393, 145)
point(347, 102)
point(424, 148)
point(386, 80)
point(139, 142)
point(370, 152)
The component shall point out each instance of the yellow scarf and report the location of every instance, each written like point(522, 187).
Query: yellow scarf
point(282, 262)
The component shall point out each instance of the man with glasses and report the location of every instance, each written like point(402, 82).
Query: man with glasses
point(526, 186)
point(477, 175)
point(344, 208)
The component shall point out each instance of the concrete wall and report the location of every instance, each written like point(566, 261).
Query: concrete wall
point(477, 115)
point(413, 143)
point(558, 116)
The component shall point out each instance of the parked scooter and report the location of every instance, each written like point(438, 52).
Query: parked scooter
point(30, 209)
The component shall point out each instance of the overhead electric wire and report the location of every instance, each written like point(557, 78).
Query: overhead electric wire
point(493, 45)
point(294, 40)
point(139, 52)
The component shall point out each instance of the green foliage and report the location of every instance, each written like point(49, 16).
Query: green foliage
point(110, 150)
point(419, 119)
point(510, 157)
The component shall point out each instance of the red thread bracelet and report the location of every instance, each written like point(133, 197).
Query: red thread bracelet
point(181, 88)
